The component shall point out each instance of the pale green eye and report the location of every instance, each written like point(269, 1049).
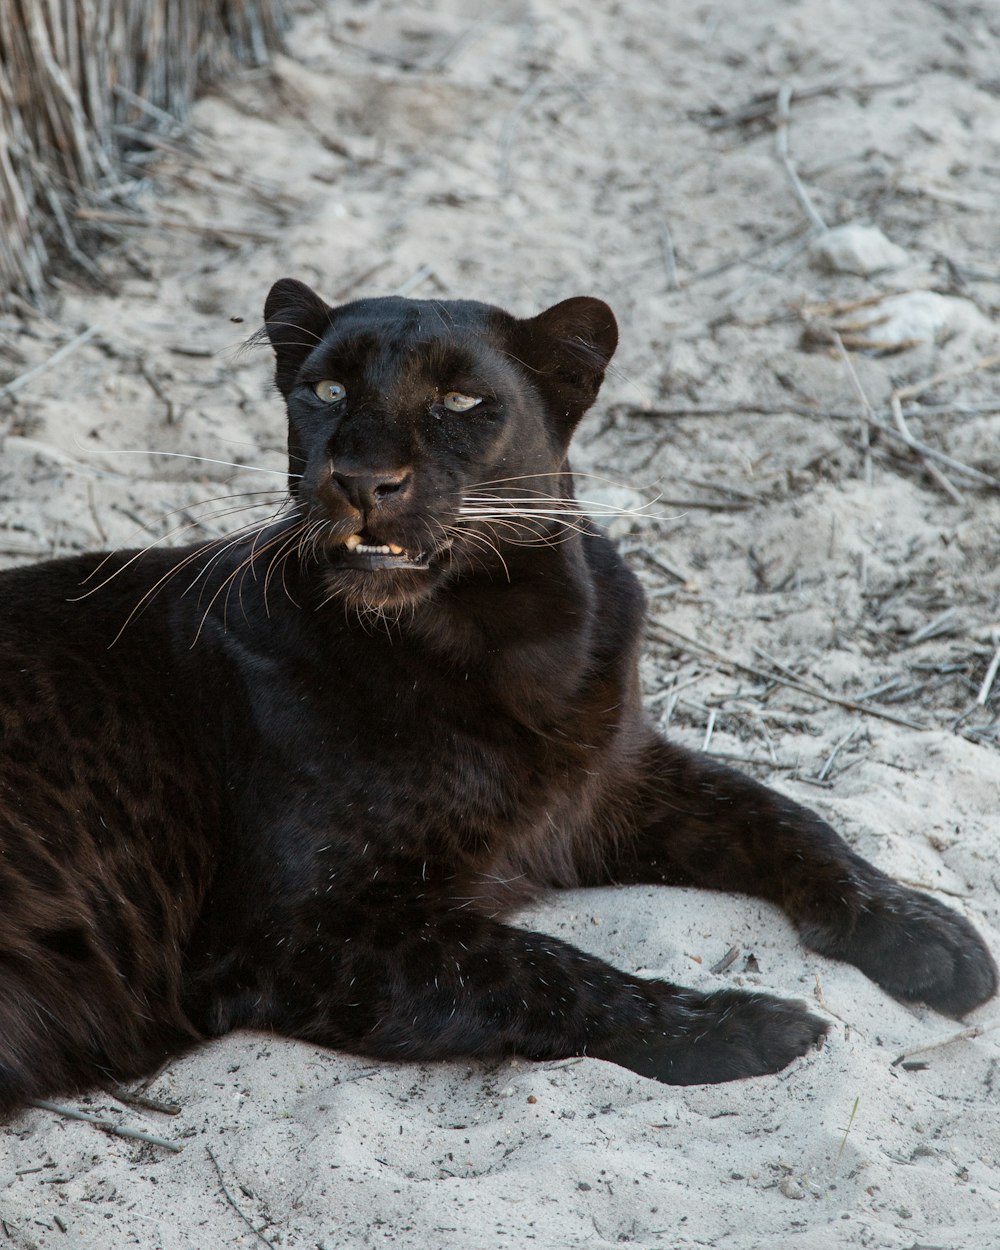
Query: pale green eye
point(330, 392)
point(455, 401)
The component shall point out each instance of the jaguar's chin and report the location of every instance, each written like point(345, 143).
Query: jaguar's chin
point(374, 582)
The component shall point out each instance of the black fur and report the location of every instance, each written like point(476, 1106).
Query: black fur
point(286, 784)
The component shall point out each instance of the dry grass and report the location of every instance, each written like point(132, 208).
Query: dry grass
point(77, 79)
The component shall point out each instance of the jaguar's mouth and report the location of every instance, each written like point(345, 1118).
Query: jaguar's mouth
point(362, 551)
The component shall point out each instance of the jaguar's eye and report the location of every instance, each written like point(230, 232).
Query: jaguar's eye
point(455, 401)
point(330, 392)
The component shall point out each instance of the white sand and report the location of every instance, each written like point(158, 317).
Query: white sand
point(548, 151)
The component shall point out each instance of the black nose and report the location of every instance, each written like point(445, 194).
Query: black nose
point(369, 489)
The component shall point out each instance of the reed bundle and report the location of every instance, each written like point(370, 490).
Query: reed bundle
point(77, 78)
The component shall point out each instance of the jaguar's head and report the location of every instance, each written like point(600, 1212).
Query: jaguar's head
point(427, 439)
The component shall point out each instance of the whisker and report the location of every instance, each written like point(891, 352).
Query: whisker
point(558, 473)
point(173, 571)
point(224, 544)
point(177, 529)
point(183, 455)
point(280, 555)
point(512, 519)
point(533, 506)
point(486, 542)
point(292, 325)
point(227, 584)
point(248, 566)
point(538, 539)
point(284, 582)
point(249, 495)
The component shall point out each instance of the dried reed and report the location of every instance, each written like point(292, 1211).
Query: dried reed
point(75, 75)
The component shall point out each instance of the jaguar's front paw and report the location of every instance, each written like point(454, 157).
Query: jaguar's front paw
point(914, 947)
point(702, 1039)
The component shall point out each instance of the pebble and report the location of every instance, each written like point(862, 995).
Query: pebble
point(857, 249)
point(791, 1188)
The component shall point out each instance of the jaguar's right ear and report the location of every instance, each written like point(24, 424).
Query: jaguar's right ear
point(567, 349)
point(295, 320)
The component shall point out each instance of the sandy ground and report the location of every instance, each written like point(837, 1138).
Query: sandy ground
point(522, 153)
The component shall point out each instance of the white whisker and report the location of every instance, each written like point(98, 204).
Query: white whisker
point(182, 455)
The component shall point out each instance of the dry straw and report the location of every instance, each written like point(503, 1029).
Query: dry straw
point(76, 78)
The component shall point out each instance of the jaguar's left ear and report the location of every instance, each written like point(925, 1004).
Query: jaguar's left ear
point(567, 349)
point(295, 320)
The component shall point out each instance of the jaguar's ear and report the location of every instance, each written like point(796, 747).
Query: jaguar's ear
point(567, 349)
point(295, 319)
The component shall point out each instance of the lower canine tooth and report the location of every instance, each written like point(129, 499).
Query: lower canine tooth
point(352, 541)
point(396, 551)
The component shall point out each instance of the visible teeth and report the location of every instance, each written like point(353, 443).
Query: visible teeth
point(353, 543)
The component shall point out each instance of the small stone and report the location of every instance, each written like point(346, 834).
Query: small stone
point(857, 249)
point(791, 1188)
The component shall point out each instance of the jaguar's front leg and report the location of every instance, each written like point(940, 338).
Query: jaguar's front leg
point(703, 824)
point(395, 976)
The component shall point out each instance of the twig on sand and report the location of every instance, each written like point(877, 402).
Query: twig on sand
point(713, 271)
point(850, 1121)
point(932, 887)
point(989, 679)
point(160, 222)
point(963, 1035)
point(462, 42)
point(669, 259)
point(170, 414)
point(781, 143)
point(415, 280)
point(824, 772)
point(232, 1201)
point(801, 686)
point(528, 100)
point(679, 575)
point(927, 453)
point(820, 996)
point(727, 961)
point(946, 375)
point(137, 1098)
point(107, 1126)
point(945, 622)
point(868, 414)
point(898, 432)
point(707, 505)
point(15, 384)
point(902, 432)
point(724, 409)
point(942, 480)
point(764, 104)
point(358, 279)
point(822, 1000)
